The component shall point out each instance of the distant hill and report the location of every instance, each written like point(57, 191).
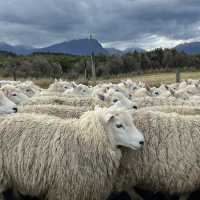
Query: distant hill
point(76, 47)
point(190, 48)
point(73, 47)
point(113, 51)
point(133, 49)
point(18, 49)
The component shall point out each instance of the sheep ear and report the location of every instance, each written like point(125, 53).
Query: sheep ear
point(109, 117)
point(101, 97)
point(147, 87)
point(124, 82)
point(166, 87)
point(74, 85)
point(172, 92)
point(196, 85)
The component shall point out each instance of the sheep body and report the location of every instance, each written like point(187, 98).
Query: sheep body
point(57, 159)
point(161, 101)
point(75, 101)
point(170, 160)
point(61, 111)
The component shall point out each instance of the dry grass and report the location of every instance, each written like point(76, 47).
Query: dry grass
point(158, 78)
point(153, 79)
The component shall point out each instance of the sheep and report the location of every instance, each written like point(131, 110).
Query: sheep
point(14, 94)
point(80, 89)
point(60, 86)
point(57, 159)
point(61, 111)
point(170, 160)
point(141, 92)
point(29, 88)
point(6, 106)
point(117, 99)
point(73, 101)
point(90, 102)
point(184, 110)
point(159, 101)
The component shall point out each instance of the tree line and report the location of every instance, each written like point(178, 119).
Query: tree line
point(50, 65)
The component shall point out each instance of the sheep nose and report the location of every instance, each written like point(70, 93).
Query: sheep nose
point(15, 109)
point(135, 107)
point(141, 143)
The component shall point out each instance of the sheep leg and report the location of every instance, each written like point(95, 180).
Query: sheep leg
point(2, 189)
point(133, 194)
point(1, 196)
point(16, 195)
point(184, 196)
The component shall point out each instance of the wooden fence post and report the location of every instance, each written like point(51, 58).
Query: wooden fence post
point(178, 75)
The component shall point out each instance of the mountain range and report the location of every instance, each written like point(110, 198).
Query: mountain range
point(73, 47)
point(189, 48)
point(86, 47)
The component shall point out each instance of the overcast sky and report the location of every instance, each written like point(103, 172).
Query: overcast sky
point(115, 23)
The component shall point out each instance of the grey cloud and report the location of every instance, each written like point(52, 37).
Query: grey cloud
point(43, 22)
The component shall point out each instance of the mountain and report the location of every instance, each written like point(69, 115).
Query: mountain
point(76, 47)
point(18, 49)
point(113, 51)
point(6, 47)
point(23, 50)
point(133, 49)
point(190, 48)
point(73, 47)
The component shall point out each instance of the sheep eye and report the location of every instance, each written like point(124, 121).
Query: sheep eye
point(115, 100)
point(14, 95)
point(83, 90)
point(66, 87)
point(119, 126)
point(27, 90)
point(117, 90)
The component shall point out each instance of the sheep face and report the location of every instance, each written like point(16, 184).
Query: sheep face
point(78, 90)
point(27, 90)
point(120, 101)
point(14, 94)
point(6, 106)
point(60, 86)
point(120, 125)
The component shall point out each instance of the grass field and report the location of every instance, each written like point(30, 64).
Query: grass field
point(154, 79)
point(158, 78)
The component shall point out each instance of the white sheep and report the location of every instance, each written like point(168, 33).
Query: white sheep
point(6, 106)
point(56, 159)
point(61, 111)
point(80, 89)
point(14, 94)
point(169, 162)
point(60, 86)
point(159, 101)
point(29, 88)
point(90, 102)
